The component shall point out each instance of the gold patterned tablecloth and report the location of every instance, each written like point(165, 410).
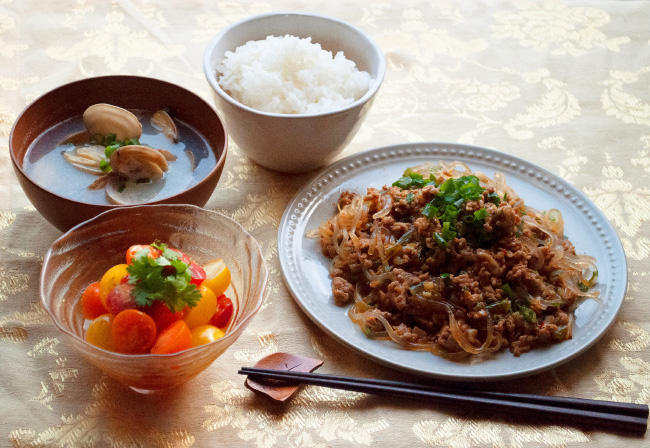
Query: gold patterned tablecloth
point(563, 85)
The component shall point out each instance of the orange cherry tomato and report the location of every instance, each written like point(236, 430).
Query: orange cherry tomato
point(91, 304)
point(217, 276)
point(204, 334)
point(172, 339)
point(99, 332)
point(201, 313)
point(224, 311)
point(133, 332)
point(133, 250)
point(110, 280)
point(162, 315)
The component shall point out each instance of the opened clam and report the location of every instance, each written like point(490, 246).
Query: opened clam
point(161, 120)
point(136, 162)
point(86, 158)
point(106, 119)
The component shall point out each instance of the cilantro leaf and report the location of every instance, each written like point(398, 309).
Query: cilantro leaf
point(165, 278)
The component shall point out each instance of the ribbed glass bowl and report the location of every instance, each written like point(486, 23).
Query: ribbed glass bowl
point(83, 254)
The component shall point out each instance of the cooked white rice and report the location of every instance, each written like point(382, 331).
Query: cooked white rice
point(289, 75)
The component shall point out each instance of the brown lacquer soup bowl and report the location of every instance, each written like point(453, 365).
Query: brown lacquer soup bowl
point(46, 148)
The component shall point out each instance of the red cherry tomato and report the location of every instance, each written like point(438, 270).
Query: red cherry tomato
point(130, 253)
point(113, 277)
point(224, 312)
point(120, 298)
point(197, 272)
point(172, 339)
point(162, 315)
point(133, 332)
point(91, 303)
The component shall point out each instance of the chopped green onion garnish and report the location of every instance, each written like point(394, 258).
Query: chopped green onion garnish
point(494, 198)
point(409, 197)
point(500, 307)
point(507, 290)
point(529, 315)
point(110, 149)
point(403, 182)
point(430, 211)
point(481, 214)
point(439, 239)
point(109, 139)
point(105, 166)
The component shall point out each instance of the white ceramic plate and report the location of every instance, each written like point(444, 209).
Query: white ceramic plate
point(306, 273)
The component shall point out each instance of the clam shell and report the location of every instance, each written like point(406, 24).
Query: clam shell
point(138, 162)
point(104, 119)
point(122, 192)
point(86, 158)
point(162, 121)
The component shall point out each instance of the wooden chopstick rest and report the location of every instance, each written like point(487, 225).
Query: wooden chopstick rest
point(282, 391)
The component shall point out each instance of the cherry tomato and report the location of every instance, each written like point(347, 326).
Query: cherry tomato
point(162, 315)
point(120, 298)
point(110, 280)
point(205, 334)
point(99, 332)
point(172, 339)
point(133, 250)
point(91, 303)
point(204, 309)
point(133, 332)
point(197, 273)
point(217, 276)
point(224, 311)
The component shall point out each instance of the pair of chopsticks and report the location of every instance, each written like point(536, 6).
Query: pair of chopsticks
point(594, 414)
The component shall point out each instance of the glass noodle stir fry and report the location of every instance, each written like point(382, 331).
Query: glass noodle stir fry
point(452, 262)
point(160, 302)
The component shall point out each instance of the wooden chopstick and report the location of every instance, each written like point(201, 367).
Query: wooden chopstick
point(627, 417)
point(631, 409)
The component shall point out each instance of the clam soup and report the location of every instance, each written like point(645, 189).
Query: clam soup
point(45, 163)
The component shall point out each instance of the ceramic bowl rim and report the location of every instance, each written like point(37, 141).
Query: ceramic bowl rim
point(212, 79)
point(231, 334)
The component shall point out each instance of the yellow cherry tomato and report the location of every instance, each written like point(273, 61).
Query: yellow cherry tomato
point(204, 334)
point(204, 309)
point(99, 332)
point(110, 280)
point(217, 276)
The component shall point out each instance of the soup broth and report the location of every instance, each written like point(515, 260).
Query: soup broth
point(45, 164)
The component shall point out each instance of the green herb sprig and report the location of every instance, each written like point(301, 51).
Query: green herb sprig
point(165, 278)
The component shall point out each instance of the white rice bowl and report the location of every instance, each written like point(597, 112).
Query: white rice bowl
point(290, 75)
